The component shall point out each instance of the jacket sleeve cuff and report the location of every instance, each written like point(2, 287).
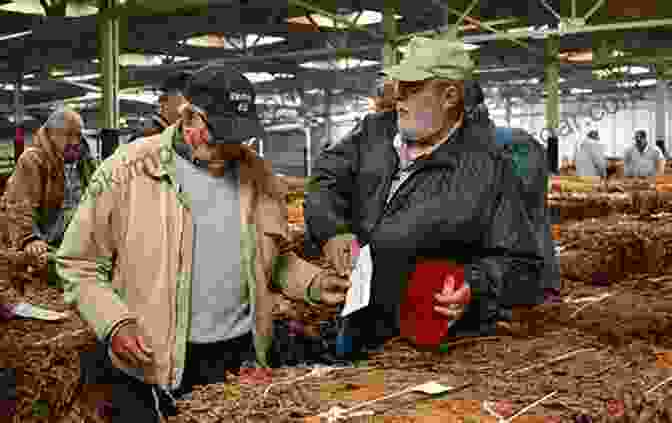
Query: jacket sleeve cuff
point(114, 328)
point(313, 295)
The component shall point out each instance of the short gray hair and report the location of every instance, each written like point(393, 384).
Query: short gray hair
point(57, 119)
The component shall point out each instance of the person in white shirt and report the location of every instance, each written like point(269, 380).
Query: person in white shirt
point(590, 157)
point(643, 159)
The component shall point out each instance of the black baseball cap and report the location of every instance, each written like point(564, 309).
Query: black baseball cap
point(228, 99)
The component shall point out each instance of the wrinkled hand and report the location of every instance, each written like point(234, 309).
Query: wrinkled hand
point(452, 303)
point(37, 248)
point(338, 252)
point(330, 289)
point(130, 346)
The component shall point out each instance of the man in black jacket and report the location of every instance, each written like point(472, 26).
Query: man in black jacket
point(425, 182)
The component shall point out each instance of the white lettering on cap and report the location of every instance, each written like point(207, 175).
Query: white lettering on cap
point(234, 96)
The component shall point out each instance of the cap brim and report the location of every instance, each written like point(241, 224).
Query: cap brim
point(407, 73)
point(235, 130)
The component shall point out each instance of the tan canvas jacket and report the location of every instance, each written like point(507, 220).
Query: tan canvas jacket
point(128, 252)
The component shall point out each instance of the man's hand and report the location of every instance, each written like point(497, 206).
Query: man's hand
point(329, 289)
point(452, 302)
point(338, 252)
point(129, 345)
point(36, 248)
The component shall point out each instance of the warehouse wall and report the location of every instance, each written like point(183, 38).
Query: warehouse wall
point(285, 150)
point(617, 130)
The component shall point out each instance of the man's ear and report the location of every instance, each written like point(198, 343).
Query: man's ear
point(451, 97)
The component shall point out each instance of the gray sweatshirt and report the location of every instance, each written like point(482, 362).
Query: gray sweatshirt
point(590, 159)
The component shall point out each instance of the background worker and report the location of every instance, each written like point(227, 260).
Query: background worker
point(47, 185)
point(590, 158)
point(643, 159)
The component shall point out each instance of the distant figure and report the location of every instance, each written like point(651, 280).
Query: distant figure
point(643, 159)
point(590, 157)
point(661, 144)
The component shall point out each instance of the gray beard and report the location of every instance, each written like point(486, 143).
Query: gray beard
point(408, 135)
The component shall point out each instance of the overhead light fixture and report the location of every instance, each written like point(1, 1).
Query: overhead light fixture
point(136, 59)
point(533, 81)
point(340, 64)
point(575, 91)
point(525, 29)
point(230, 42)
point(59, 73)
point(79, 78)
point(16, 35)
point(29, 76)
point(11, 118)
point(12, 87)
point(147, 97)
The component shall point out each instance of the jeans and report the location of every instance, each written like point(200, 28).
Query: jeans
point(135, 401)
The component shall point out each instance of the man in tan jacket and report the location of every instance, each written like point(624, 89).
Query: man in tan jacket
point(176, 247)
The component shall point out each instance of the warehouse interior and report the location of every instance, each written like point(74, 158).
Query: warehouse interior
point(594, 346)
point(314, 63)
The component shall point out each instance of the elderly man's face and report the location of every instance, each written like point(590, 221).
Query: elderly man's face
point(70, 134)
point(423, 107)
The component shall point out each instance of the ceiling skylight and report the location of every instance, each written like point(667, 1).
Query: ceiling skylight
point(257, 77)
point(230, 42)
point(79, 78)
point(468, 47)
point(16, 35)
point(632, 70)
point(367, 17)
point(340, 64)
point(134, 59)
point(642, 83)
point(34, 7)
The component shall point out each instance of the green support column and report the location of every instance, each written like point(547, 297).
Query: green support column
point(552, 85)
point(109, 62)
point(390, 57)
point(19, 114)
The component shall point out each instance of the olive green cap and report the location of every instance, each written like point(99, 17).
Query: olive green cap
point(429, 58)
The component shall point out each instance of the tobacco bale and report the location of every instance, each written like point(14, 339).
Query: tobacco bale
point(47, 373)
point(583, 264)
point(617, 246)
point(580, 206)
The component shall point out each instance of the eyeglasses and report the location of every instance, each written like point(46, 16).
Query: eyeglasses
point(405, 89)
